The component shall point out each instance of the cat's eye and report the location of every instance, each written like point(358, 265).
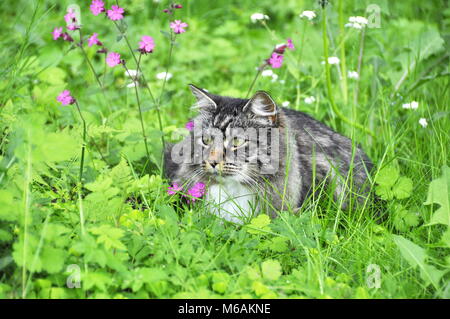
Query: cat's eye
point(237, 141)
point(206, 140)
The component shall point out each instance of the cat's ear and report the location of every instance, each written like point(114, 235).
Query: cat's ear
point(204, 101)
point(261, 104)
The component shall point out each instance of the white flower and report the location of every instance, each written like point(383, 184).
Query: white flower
point(258, 16)
point(308, 14)
point(360, 20)
point(162, 75)
point(333, 60)
point(310, 99)
point(353, 75)
point(131, 85)
point(357, 22)
point(270, 73)
point(423, 122)
point(285, 104)
point(354, 25)
point(413, 105)
point(267, 72)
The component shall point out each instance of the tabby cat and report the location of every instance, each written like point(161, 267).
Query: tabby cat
point(255, 156)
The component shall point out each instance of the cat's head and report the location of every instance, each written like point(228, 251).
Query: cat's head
point(234, 136)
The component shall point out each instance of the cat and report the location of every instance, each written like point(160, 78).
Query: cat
point(255, 156)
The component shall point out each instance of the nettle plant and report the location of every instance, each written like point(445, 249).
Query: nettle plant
point(74, 34)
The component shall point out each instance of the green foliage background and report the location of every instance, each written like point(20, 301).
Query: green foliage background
point(138, 242)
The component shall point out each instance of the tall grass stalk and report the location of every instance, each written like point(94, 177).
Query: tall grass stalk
point(138, 101)
point(335, 109)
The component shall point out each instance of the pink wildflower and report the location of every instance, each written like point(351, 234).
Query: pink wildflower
point(57, 32)
point(70, 16)
point(93, 40)
point(189, 125)
point(73, 27)
point(113, 59)
point(196, 191)
point(65, 98)
point(280, 48)
point(276, 60)
point(172, 190)
point(116, 13)
point(147, 44)
point(290, 44)
point(97, 7)
point(67, 37)
point(178, 26)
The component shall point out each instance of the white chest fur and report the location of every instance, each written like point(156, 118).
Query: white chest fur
point(232, 201)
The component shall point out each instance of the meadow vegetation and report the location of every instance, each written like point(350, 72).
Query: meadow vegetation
point(84, 207)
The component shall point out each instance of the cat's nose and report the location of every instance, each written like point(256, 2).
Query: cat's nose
point(214, 165)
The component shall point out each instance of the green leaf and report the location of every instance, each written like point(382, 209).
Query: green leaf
point(220, 282)
point(53, 75)
point(445, 239)
point(8, 206)
point(109, 236)
point(403, 188)
point(415, 256)
point(403, 219)
point(387, 176)
point(271, 269)
point(259, 224)
point(53, 259)
point(279, 244)
point(439, 193)
point(96, 279)
point(259, 288)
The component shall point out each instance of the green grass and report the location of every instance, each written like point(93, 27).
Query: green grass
point(119, 231)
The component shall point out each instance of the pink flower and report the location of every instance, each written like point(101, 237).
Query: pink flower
point(196, 191)
point(70, 16)
point(57, 32)
point(65, 98)
point(147, 44)
point(172, 190)
point(290, 44)
point(178, 27)
point(113, 59)
point(73, 26)
point(276, 60)
point(280, 48)
point(116, 13)
point(189, 125)
point(93, 40)
point(67, 37)
point(97, 7)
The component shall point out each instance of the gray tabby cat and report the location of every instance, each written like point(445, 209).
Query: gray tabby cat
point(254, 156)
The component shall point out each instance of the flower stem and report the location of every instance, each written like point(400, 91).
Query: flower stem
point(141, 118)
point(344, 86)
point(338, 113)
point(138, 68)
point(93, 70)
point(83, 148)
point(260, 69)
point(80, 180)
point(360, 59)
